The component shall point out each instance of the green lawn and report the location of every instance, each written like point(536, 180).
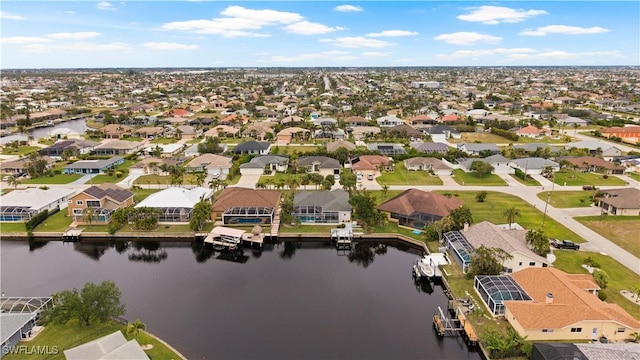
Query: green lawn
point(634, 176)
point(153, 179)
point(193, 141)
point(527, 182)
point(471, 178)
point(401, 176)
point(21, 150)
point(57, 222)
point(570, 178)
point(141, 194)
point(70, 335)
point(531, 218)
point(6, 227)
point(544, 140)
point(482, 137)
point(568, 199)
point(620, 278)
point(163, 140)
point(290, 149)
point(132, 138)
point(55, 179)
point(622, 230)
point(162, 228)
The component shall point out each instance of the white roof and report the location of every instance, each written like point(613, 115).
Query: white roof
point(113, 346)
point(176, 197)
point(166, 148)
point(11, 323)
point(221, 230)
point(35, 198)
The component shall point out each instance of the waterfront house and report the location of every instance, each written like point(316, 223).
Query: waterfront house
point(625, 201)
point(322, 207)
point(416, 208)
point(113, 346)
point(20, 166)
point(103, 199)
point(243, 206)
point(22, 205)
point(175, 203)
point(116, 131)
point(93, 166)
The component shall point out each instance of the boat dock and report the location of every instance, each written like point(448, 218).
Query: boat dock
point(230, 238)
point(72, 234)
point(343, 236)
point(458, 325)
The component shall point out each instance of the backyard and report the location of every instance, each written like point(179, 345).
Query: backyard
point(401, 176)
point(58, 222)
point(568, 199)
point(290, 149)
point(622, 230)
point(471, 178)
point(574, 178)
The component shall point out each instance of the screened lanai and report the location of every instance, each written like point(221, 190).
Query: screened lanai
point(495, 289)
point(247, 215)
point(16, 213)
point(315, 214)
point(460, 247)
point(174, 214)
point(100, 215)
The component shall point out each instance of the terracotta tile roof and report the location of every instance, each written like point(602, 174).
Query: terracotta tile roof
point(450, 117)
point(413, 200)
point(621, 130)
point(571, 303)
point(369, 162)
point(238, 196)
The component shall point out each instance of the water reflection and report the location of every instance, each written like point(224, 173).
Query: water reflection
point(95, 249)
point(148, 252)
point(35, 245)
point(363, 253)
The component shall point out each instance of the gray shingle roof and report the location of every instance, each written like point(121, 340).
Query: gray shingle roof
point(93, 164)
point(325, 162)
point(334, 200)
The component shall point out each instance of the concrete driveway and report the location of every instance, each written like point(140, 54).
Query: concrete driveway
point(248, 181)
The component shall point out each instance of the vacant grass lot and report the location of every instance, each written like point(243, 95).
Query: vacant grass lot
point(622, 230)
point(568, 199)
point(55, 179)
point(153, 179)
point(6, 227)
point(531, 218)
point(70, 335)
point(579, 179)
point(620, 278)
point(141, 194)
point(527, 182)
point(21, 150)
point(465, 178)
point(290, 149)
point(401, 176)
point(483, 137)
point(57, 222)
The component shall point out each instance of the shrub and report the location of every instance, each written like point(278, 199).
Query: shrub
point(602, 295)
point(591, 262)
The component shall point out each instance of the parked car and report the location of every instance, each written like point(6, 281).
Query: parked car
point(588, 187)
point(565, 244)
point(369, 176)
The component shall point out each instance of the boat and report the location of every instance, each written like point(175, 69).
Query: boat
point(423, 269)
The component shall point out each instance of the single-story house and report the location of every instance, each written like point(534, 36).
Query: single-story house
point(118, 147)
point(323, 165)
point(212, 164)
point(571, 121)
point(476, 149)
point(77, 147)
point(103, 199)
point(594, 164)
point(18, 317)
point(389, 121)
point(565, 306)
point(20, 166)
point(608, 152)
point(324, 121)
point(625, 201)
point(428, 164)
point(167, 150)
point(322, 207)
point(430, 147)
point(22, 205)
point(92, 166)
point(222, 131)
point(152, 165)
point(259, 164)
point(532, 132)
point(353, 121)
point(252, 147)
point(362, 132)
point(405, 131)
point(285, 136)
point(176, 203)
point(421, 120)
point(630, 133)
point(534, 165)
point(149, 132)
point(113, 346)
point(335, 145)
point(387, 148)
point(116, 131)
point(185, 132)
point(371, 164)
point(537, 147)
point(243, 206)
point(416, 208)
point(440, 133)
point(501, 165)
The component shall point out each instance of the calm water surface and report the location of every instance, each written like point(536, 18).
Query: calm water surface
point(292, 301)
point(79, 126)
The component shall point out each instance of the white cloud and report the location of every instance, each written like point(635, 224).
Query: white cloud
point(375, 54)
point(536, 56)
point(7, 16)
point(492, 15)
point(486, 52)
point(169, 46)
point(23, 40)
point(36, 48)
point(357, 42)
point(468, 38)
point(93, 47)
point(238, 22)
point(70, 12)
point(563, 29)
point(324, 55)
point(74, 36)
point(104, 5)
point(393, 33)
point(309, 28)
point(347, 8)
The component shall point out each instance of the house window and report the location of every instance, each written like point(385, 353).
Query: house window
point(77, 211)
point(79, 202)
point(69, 201)
point(93, 203)
point(547, 330)
point(533, 263)
point(520, 263)
point(621, 330)
point(576, 330)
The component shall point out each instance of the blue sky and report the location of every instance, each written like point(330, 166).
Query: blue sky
point(59, 34)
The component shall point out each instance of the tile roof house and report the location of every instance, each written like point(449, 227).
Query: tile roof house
point(322, 207)
point(118, 147)
point(428, 164)
point(21, 205)
point(353, 121)
point(565, 307)
point(116, 131)
point(104, 199)
point(238, 206)
point(335, 145)
point(212, 164)
point(152, 165)
point(416, 208)
point(389, 121)
point(370, 164)
point(628, 133)
point(20, 166)
point(532, 132)
point(260, 163)
point(624, 201)
point(594, 164)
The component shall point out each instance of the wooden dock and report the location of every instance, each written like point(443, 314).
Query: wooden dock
point(468, 332)
point(72, 234)
point(459, 325)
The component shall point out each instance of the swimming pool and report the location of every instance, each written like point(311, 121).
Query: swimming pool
point(246, 221)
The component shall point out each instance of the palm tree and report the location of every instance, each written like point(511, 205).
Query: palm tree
point(134, 328)
point(13, 181)
point(87, 215)
point(200, 177)
point(385, 189)
point(511, 214)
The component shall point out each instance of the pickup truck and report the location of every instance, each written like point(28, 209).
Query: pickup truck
point(564, 244)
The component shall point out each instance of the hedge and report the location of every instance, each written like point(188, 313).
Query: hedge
point(505, 134)
point(39, 218)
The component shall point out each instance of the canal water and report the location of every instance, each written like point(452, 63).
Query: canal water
point(79, 126)
point(291, 301)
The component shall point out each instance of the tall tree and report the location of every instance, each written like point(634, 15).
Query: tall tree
point(95, 302)
point(200, 214)
point(538, 241)
point(481, 168)
point(511, 214)
point(487, 261)
point(459, 217)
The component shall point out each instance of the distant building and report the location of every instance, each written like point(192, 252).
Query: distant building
point(427, 84)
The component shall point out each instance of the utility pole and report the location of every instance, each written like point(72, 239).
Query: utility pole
point(544, 216)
